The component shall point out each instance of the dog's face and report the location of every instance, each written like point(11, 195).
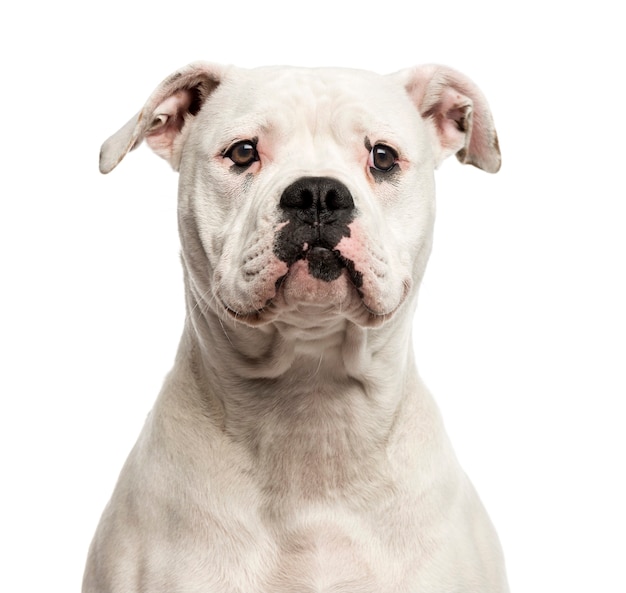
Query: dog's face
point(308, 195)
point(312, 194)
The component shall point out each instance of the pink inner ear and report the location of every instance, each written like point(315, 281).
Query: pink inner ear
point(459, 116)
point(453, 119)
point(167, 121)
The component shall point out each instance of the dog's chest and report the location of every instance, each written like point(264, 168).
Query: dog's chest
point(338, 552)
point(320, 555)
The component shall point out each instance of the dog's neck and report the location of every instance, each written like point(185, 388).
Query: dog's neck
point(322, 402)
point(323, 349)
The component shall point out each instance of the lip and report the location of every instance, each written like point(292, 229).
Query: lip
point(252, 318)
point(324, 264)
point(270, 312)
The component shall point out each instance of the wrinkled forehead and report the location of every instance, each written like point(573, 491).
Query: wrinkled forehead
point(322, 100)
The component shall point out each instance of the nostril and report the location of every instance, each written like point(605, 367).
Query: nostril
point(297, 197)
point(336, 200)
point(306, 199)
point(334, 195)
point(332, 202)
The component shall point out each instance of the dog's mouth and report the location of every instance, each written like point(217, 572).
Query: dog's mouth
point(322, 283)
point(328, 264)
point(324, 264)
point(321, 274)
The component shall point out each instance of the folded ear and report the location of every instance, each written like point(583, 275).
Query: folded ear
point(459, 113)
point(162, 120)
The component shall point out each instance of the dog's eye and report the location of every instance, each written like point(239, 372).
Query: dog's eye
point(243, 153)
point(383, 158)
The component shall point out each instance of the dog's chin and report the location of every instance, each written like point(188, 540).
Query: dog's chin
point(301, 289)
point(307, 295)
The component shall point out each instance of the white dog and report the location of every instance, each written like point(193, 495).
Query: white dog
point(293, 447)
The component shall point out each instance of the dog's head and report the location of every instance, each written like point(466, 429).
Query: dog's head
point(308, 195)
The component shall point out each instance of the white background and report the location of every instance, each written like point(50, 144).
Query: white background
point(521, 327)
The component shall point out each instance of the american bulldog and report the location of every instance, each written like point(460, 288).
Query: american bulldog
point(294, 448)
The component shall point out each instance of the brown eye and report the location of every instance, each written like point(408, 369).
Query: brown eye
point(243, 153)
point(383, 158)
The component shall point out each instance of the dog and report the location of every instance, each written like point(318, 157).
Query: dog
point(294, 447)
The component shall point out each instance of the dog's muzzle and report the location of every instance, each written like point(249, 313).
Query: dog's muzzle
point(317, 211)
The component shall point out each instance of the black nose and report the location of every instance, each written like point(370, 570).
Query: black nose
point(317, 199)
point(318, 212)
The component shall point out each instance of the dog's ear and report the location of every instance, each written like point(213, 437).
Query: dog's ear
point(457, 109)
point(162, 120)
